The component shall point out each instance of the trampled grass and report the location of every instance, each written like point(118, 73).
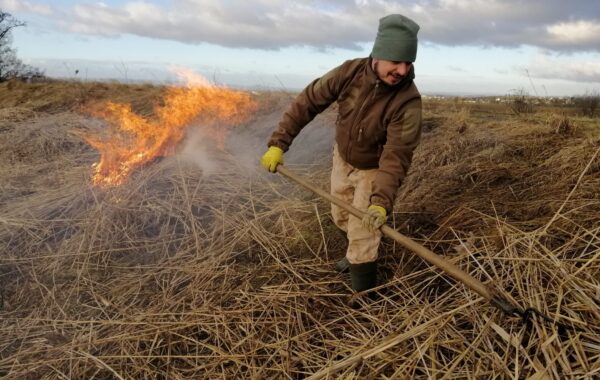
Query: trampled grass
point(224, 271)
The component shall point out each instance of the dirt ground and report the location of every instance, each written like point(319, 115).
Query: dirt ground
point(203, 266)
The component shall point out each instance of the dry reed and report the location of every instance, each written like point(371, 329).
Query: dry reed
point(178, 274)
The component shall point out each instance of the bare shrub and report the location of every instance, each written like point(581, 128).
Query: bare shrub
point(588, 103)
point(11, 67)
point(520, 102)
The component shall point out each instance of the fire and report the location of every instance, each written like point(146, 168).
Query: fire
point(133, 140)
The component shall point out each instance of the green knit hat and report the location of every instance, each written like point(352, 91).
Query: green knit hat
point(396, 39)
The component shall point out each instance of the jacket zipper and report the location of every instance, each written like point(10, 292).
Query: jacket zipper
point(364, 100)
point(357, 117)
point(360, 131)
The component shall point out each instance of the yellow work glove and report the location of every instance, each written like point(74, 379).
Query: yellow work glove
point(374, 218)
point(272, 158)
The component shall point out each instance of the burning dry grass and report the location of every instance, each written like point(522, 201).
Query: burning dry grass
point(179, 274)
point(134, 140)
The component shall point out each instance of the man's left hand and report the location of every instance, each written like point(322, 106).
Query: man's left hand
point(374, 218)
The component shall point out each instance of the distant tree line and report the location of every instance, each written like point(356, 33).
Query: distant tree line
point(11, 67)
point(588, 104)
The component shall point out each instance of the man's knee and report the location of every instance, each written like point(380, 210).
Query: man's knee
point(340, 218)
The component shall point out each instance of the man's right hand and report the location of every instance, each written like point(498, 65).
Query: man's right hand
point(374, 218)
point(272, 158)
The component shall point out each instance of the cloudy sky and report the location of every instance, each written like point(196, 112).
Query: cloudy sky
point(548, 47)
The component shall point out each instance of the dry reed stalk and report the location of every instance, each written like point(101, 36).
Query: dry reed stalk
point(182, 275)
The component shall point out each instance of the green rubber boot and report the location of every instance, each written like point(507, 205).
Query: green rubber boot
point(363, 276)
point(342, 266)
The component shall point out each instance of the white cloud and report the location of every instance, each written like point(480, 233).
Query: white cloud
point(25, 6)
point(576, 32)
point(236, 23)
point(272, 24)
point(578, 69)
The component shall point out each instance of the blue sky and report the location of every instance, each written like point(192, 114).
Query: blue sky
point(466, 47)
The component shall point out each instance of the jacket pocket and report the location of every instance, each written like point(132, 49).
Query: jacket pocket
point(379, 133)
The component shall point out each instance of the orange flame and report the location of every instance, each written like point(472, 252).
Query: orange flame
point(133, 140)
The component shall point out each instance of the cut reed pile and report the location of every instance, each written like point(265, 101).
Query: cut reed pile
point(179, 274)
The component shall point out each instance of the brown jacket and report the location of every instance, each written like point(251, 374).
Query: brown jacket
point(378, 126)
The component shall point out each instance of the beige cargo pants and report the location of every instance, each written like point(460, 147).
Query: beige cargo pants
point(354, 186)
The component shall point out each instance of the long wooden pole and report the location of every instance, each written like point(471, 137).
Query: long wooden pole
point(421, 251)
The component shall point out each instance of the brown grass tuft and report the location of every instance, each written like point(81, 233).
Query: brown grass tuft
point(562, 125)
point(460, 119)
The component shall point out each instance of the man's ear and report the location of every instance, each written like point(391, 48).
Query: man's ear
point(374, 63)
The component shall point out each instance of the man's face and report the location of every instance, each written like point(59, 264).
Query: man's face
point(391, 72)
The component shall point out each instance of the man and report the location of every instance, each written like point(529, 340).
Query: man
point(377, 129)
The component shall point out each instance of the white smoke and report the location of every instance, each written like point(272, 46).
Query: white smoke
point(199, 149)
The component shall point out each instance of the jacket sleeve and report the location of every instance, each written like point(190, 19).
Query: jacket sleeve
point(403, 136)
point(314, 99)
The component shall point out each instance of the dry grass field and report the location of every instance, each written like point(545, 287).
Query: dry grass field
point(201, 266)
